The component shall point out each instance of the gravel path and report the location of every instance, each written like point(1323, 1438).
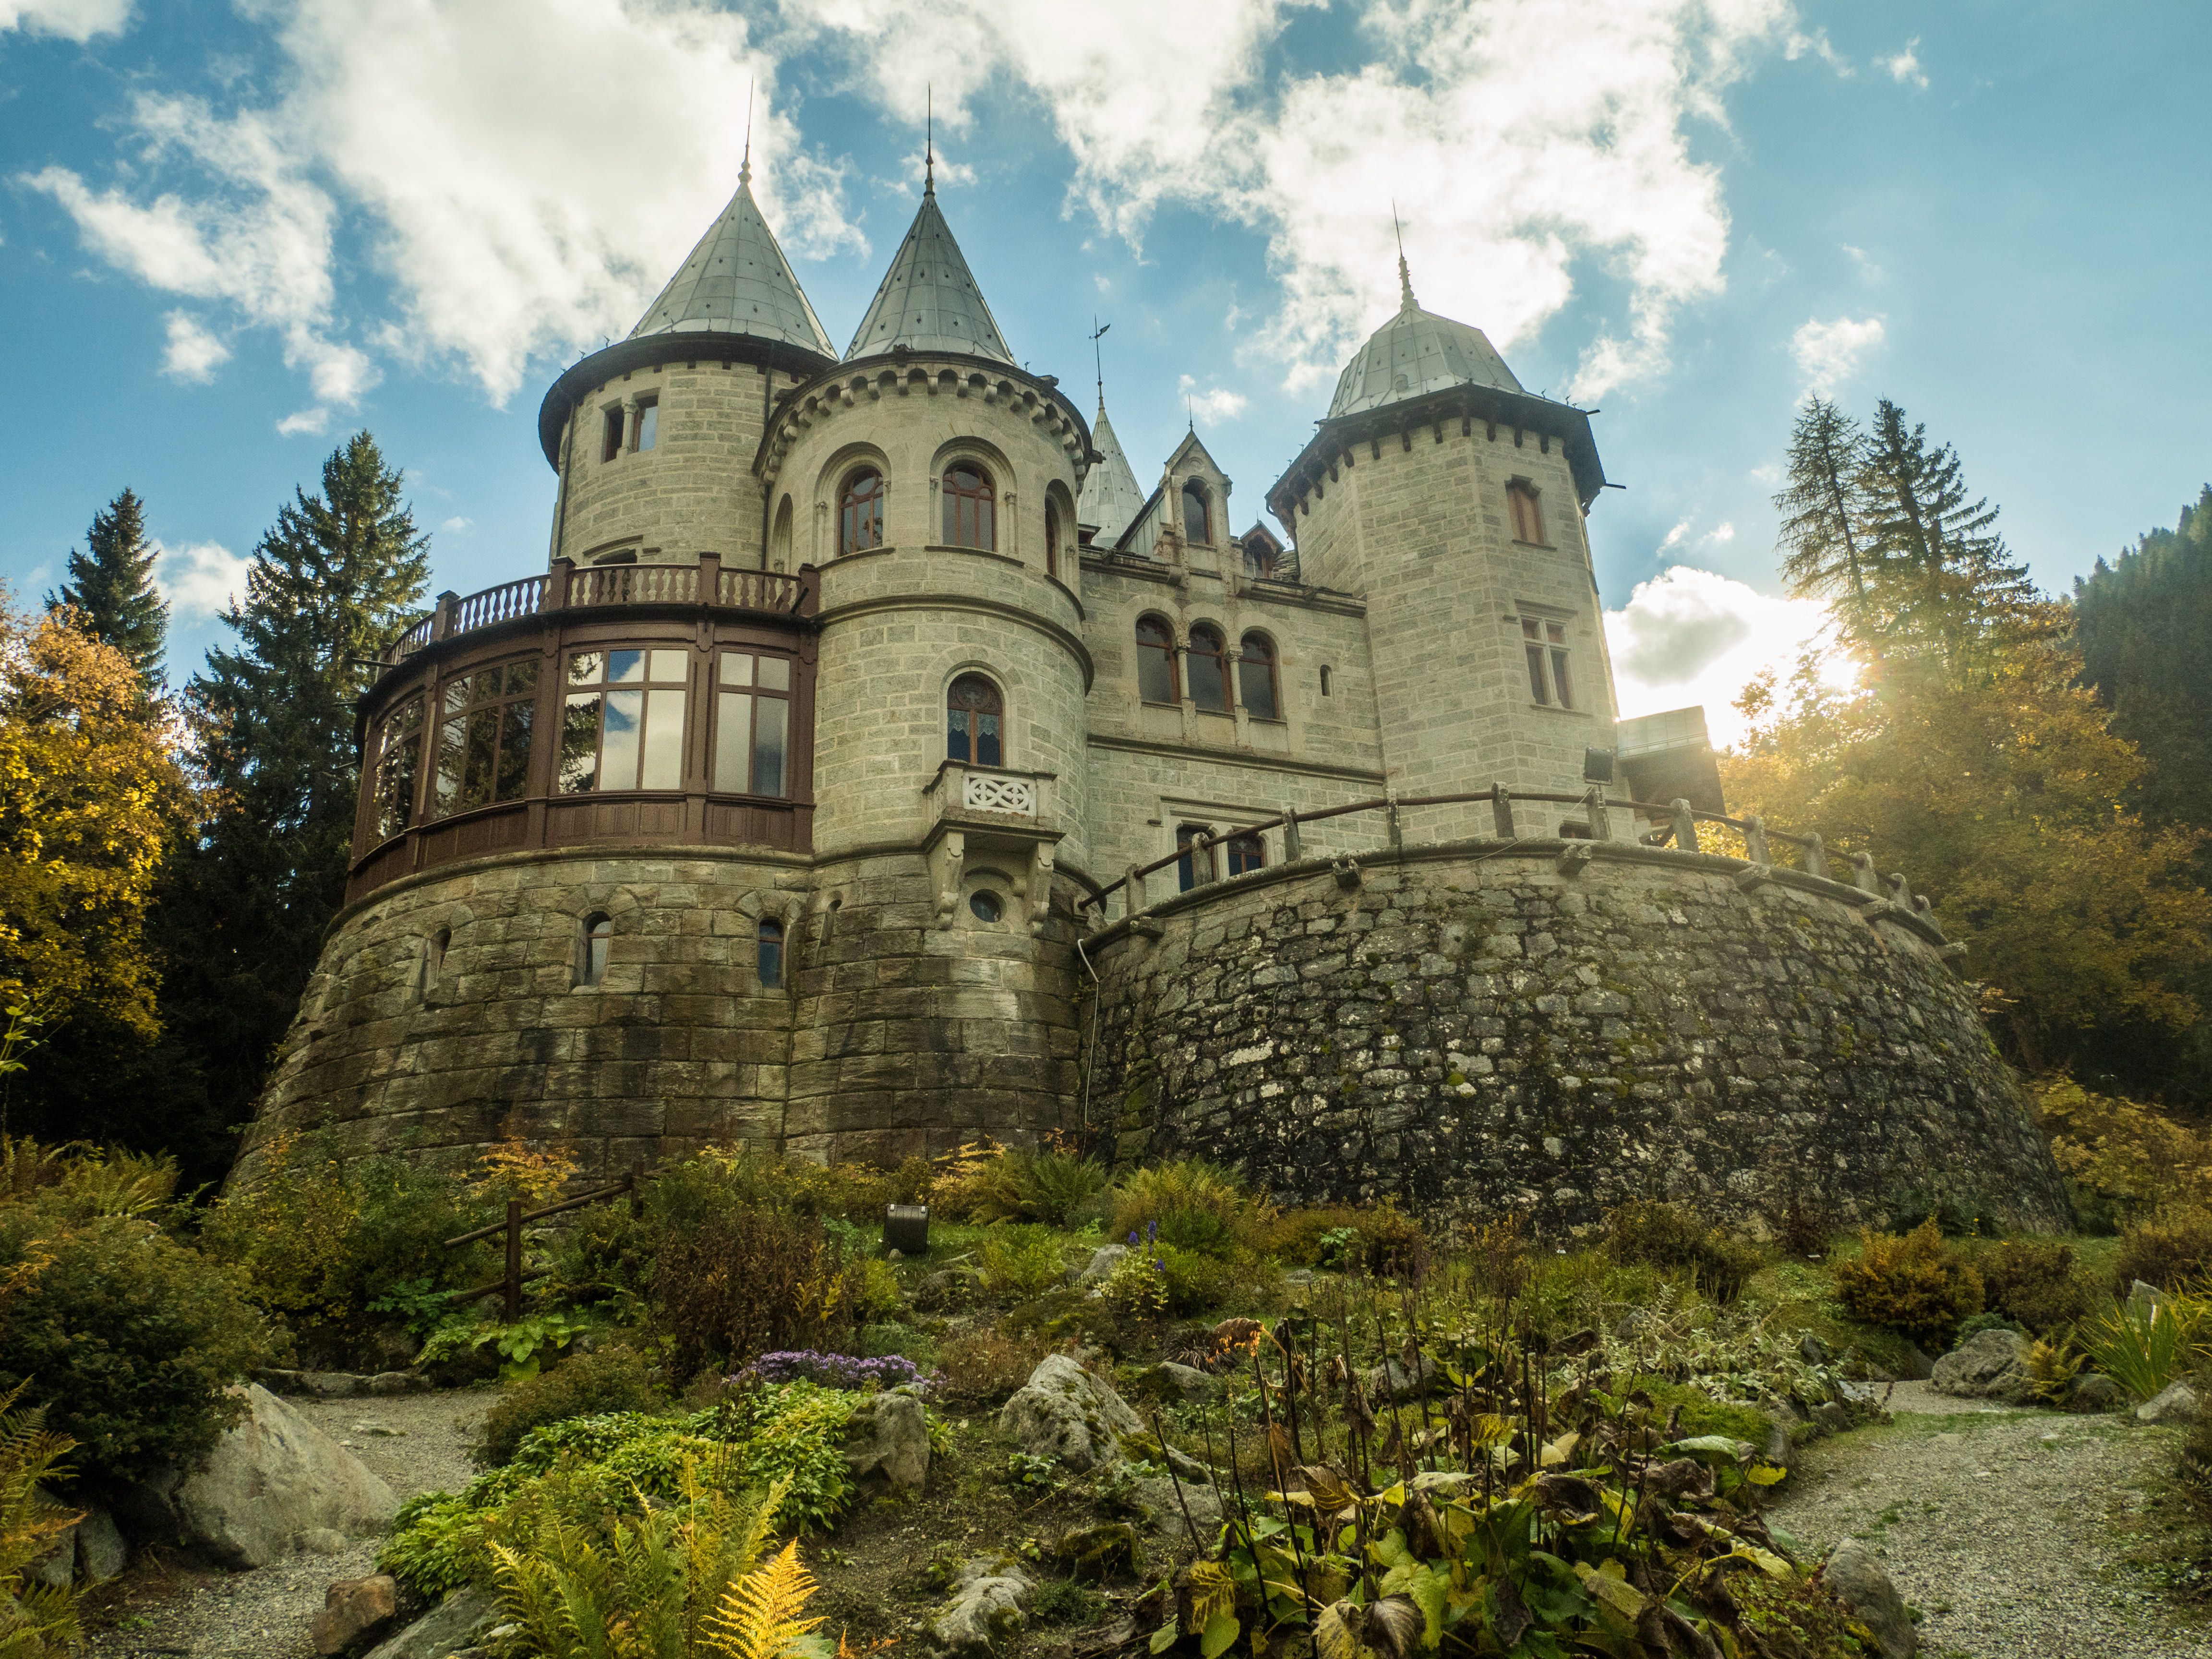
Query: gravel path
point(1997, 1524)
point(265, 1614)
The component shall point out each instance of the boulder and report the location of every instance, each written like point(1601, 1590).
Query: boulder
point(1989, 1364)
point(355, 1612)
point(1811, 1350)
point(989, 1608)
point(271, 1481)
point(2175, 1403)
point(1160, 1512)
point(56, 1566)
point(2093, 1391)
point(2143, 1298)
point(446, 1628)
point(1178, 1384)
point(1100, 1268)
point(1065, 1412)
point(1830, 1418)
point(1391, 1380)
point(101, 1552)
point(1858, 1582)
point(887, 1446)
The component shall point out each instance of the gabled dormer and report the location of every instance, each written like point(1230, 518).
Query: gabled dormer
point(1187, 514)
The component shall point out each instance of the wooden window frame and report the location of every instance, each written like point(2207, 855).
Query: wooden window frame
point(754, 685)
point(1189, 854)
point(1165, 647)
point(1217, 656)
point(513, 705)
point(1524, 502)
point(980, 506)
point(603, 690)
point(1244, 852)
point(1266, 659)
point(614, 424)
point(399, 767)
point(1544, 645)
point(645, 432)
point(860, 518)
point(963, 724)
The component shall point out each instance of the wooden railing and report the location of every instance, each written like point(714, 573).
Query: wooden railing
point(512, 1281)
point(704, 582)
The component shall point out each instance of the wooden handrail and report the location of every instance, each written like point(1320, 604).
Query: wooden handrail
point(513, 1279)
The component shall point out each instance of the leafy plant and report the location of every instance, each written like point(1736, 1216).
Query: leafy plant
point(36, 1621)
point(589, 1385)
point(2145, 1345)
point(1053, 1187)
point(739, 1280)
point(986, 1366)
point(2171, 1250)
point(837, 1370)
point(1669, 1236)
point(1918, 1285)
point(1153, 1194)
point(2052, 1365)
point(1021, 1261)
point(1137, 1286)
point(2033, 1282)
point(521, 1347)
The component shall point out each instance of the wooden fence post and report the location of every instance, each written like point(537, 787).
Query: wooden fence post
point(514, 1286)
point(637, 1186)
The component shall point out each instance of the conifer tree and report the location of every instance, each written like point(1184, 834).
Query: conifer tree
point(1824, 508)
point(111, 584)
point(272, 721)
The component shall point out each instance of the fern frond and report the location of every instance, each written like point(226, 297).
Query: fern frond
point(759, 1616)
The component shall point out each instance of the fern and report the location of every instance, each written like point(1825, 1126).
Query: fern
point(759, 1616)
point(35, 1619)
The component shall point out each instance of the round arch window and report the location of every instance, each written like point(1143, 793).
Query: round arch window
point(985, 905)
point(975, 721)
point(860, 512)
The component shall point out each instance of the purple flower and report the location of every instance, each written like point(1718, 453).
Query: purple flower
point(836, 1370)
point(1133, 1237)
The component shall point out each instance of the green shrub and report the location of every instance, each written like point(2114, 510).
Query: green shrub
point(2145, 1345)
point(2033, 1282)
point(126, 1337)
point(1053, 1187)
point(1197, 1283)
point(1669, 1236)
point(2171, 1250)
point(1957, 1215)
point(1153, 1194)
point(589, 1385)
point(731, 1281)
point(1021, 1261)
point(1917, 1283)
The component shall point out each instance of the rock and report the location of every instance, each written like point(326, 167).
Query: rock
point(55, 1568)
point(1811, 1350)
point(2093, 1391)
point(1161, 1514)
point(1918, 1367)
point(1989, 1362)
point(2176, 1403)
point(391, 1383)
point(1100, 1268)
point(444, 1630)
point(1098, 1552)
point(1175, 1383)
point(355, 1612)
point(887, 1446)
point(944, 1291)
point(101, 1552)
point(1298, 1276)
point(271, 1479)
point(1065, 1412)
point(2143, 1298)
point(323, 1541)
point(1830, 1417)
point(1859, 1583)
point(1391, 1380)
point(990, 1608)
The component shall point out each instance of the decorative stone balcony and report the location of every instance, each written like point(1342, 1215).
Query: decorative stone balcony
point(991, 810)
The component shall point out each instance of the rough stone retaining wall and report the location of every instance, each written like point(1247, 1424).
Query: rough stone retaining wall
point(1473, 1030)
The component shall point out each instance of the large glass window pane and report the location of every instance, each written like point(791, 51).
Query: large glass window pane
point(1156, 674)
point(1209, 671)
point(402, 753)
point(737, 669)
point(776, 673)
point(452, 750)
point(648, 425)
point(623, 739)
point(671, 665)
point(663, 739)
point(483, 750)
point(584, 668)
point(513, 750)
point(522, 676)
point(733, 732)
point(580, 744)
point(770, 741)
point(625, 667)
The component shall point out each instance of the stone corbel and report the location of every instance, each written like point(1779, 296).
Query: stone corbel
point(946, 860)
point(1036, 885)
point(1576, 858)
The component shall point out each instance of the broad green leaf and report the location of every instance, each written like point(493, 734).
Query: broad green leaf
point(1220, 1631)
point(1164, 1636)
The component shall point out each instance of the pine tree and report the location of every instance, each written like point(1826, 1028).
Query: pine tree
point(113, 586)
point(1824, 508)
point(272, 721)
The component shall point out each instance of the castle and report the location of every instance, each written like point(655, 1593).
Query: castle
point(878, 766)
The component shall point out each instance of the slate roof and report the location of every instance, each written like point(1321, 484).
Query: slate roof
point(929, 300)
point(737, 282)
point(1110, 498)
point(1415, 353)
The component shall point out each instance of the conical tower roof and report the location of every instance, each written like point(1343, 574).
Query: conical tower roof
point(1110, 498)
point(738, 282)
point(1415, 353)
point(929, 300)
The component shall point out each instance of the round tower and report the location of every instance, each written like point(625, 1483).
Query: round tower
point(1452, 500)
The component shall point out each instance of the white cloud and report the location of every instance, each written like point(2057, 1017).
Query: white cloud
point(1870, 268)
point(73, 19)
point(200, 579)
point(1694, 636)
point(193, 353)
point(454, 526)
point(1828, 353)
point(1817, 44)
point(313, 422)
point(1905, 67)
point(1215, 404)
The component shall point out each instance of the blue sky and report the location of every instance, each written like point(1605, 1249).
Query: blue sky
point(231, 234)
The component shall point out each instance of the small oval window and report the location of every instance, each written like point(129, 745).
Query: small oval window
point(985, 905)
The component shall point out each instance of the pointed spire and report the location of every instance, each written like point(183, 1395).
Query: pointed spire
point(1405, 276)
point(738, 282)
point(1110, 499)
point(745, 166)
point(929, 140)
point(928, 301)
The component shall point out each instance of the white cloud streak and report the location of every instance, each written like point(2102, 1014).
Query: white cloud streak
point(310, 423)
point(1214, 404)
point(72, 20)
point(192, 353)
point(1827, 353)
point(1904, 67)
point(200, 579)
point(1694, 636)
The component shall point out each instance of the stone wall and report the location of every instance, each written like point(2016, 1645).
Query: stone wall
point(1470, 1031)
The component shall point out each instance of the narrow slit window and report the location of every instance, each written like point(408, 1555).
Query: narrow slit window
point(971, 508)
point(975, 721)
point(649, 422)
point(484, 736)
point(1532, 644)
point(752, 724)
point(1209, 670)
point(433, 957)
point(1563, 687)
point(1256, 678)
point(622, 719)
point(1246, 853)
point(1051, 542)
point(1197, 515)
point(598, 935)
point(610, 434)
point(399, 757)
point(771, 958)
point(1193, 855)
point(1528, 513)
point(1324, 679)
point(1156, 661)
point(860, 513)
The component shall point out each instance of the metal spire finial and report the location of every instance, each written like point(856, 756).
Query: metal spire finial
point(745, 166)
point(1404, 276)
point(1098, 357)
point(929, 140)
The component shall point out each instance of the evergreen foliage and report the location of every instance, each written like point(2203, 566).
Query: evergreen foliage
point(110, 586)
point(1825, 551)
point(272, 736)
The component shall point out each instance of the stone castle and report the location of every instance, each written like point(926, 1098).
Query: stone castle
point(878, 766)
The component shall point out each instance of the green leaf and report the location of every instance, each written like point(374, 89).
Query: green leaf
point(1220, 1631)
point(1164, 1638)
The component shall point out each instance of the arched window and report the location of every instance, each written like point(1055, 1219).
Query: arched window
point(1156, 661)
point(1209, 670)
point(433, 957)
point(771, 954)
point(973, 716)
point(1246, 853)
point(599, 934)
point(860, 512)
point(1528, 512)
point(1197, 515)
point(1324, 679)
point(1051, 541)
point(971, 509)
point(1256, 678)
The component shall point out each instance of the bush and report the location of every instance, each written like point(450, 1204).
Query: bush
point(1178, 1190)
point(2145, 1345)
point(126, 1337)
point(1198, 1283)
point(1381, 1239)
point(589, 1385)
point(736, 1281)
point(35, 1619)
point(1497, 1264)
point(1654, 1234)
point(2171, 1250)
point(986, 1366)
point(837, 1370)
point(2032, 1283)
point(1957, 1215)
point(1021, 1262)
point(1916, 1284)
point(1053, 1187)
point(2122, 1161)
